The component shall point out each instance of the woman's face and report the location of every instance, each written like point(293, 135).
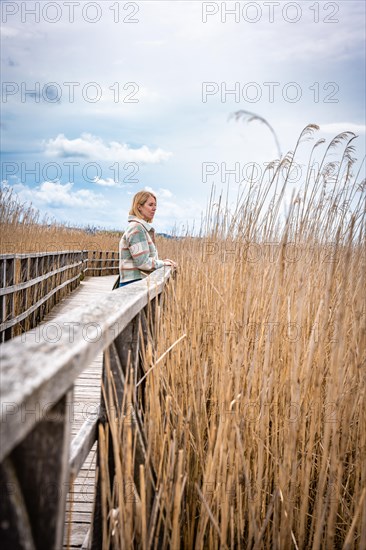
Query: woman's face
point(147, 210)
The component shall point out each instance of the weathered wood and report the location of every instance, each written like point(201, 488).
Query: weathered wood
point(31, 284)
point(20, 256)
point(122, 359)
point(86, 541)
point(107, 265)
point(15, 528)
point(74, 535)
point(80, 506)
point(116, 364)
point(9, 301)
point(36, 280)
point(25, 314)
point(2, 298)
point(82, 443)
point(145, 337)
point(96, 260)
point(36, 373)
point(40, 464)
point(78, 517)
point(101, 271)
point(47, 367)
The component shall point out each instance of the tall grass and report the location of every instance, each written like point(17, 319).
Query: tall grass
point(255, 419)
point(23, 230)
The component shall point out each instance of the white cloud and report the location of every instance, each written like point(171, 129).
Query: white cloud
point(161, 192)
point(55, 195)
point(338, 127)
point(151, 42)
point(8, 32)
point(108, 182)
point(92, 147)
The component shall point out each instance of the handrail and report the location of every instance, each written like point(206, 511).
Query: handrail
point(109, 265)
point(39, 376)
point(36, 280)
point(25, 255)
point(34, 372)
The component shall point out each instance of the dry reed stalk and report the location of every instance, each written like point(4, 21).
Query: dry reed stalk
point(143, 508)
point(103, 473)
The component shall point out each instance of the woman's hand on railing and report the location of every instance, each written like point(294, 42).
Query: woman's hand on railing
point(170, 263)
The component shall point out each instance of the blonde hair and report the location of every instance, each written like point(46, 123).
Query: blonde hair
point(139, 200)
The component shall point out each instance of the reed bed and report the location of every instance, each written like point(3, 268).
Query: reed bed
point(23, 230)
point(254, 410)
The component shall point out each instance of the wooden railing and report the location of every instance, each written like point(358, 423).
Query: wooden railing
point(36, 394)
point(31, 284)
point(102, 262)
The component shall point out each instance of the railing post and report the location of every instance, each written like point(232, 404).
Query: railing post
point(3, 284)
point(123, 355)
point(10, 280)
point(35, 479)
point(33, 273)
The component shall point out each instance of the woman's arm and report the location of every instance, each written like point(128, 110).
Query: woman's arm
point(140, 251)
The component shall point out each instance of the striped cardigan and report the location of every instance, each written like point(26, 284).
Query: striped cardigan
point(137, 251)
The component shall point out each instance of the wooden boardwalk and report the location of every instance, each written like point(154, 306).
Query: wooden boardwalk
point(86, 400)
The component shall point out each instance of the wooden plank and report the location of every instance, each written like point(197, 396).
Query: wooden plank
point(79, 517)
point(78, 533)
point(85, 408)
point(79, 506)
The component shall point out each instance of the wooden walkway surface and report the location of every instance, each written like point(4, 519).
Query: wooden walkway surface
point(86, 400)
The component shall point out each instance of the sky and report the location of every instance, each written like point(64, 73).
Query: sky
point(103, 99)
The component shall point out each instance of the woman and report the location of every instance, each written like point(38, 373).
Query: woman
point(137, 251)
